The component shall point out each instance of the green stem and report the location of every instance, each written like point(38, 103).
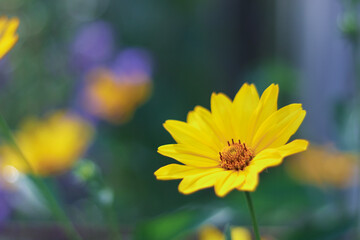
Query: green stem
point(253, 217)
point(52, 203)
point(55, 208)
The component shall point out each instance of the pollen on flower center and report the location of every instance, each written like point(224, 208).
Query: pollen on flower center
point(235, 156)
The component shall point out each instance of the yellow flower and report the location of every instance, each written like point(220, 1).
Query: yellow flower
point(228, 147)
point(212, 233)
point(323, 166)
point(8, 36)
point(51, 146)
point(114, 99)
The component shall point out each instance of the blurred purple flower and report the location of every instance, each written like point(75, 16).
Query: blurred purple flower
point(5, 72)
point(133, 62)
point(5, 208)
point(93, 45)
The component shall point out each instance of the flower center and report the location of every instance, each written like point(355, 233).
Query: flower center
point(235, 156)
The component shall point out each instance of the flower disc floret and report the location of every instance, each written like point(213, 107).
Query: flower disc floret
point(235, 156)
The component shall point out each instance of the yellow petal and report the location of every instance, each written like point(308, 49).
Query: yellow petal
point(228, 181)
point(245, 102)
point(3, 21)
point(8, 36)
point(210, 233)
point(188, 149)
point(273, 157)
point(209, 123)
point(265, 159)
point(177, 171)
point(203, 180)
point(267, 105)
point(296, 146)
point(251, 180)
point(240, 233)
point(189, 135)
point(202, 119)
point(221, 109)
point(189, 155)
point(278, 128)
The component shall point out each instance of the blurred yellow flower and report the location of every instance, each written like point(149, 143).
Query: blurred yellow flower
point(228, 147)
point(323, 166)
point(212, 233)
point(114, 98)
point(8, 36)
point(51, 145)
point(209, 232)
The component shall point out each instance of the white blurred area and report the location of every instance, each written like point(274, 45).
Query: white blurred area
point(22, 193)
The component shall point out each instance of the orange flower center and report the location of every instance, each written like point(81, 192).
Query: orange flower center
point(235, 156)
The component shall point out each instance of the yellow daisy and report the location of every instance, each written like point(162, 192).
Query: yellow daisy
point(230, 145)
point(210, 232)
point(324, 166)
point(113, 98)
point(51, 145)
point(8, 36)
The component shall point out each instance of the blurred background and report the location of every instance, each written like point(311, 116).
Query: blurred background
point(127, 66)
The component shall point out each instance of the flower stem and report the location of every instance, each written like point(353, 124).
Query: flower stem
point(253, 217)
point(55, 208)
point(51, 201)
